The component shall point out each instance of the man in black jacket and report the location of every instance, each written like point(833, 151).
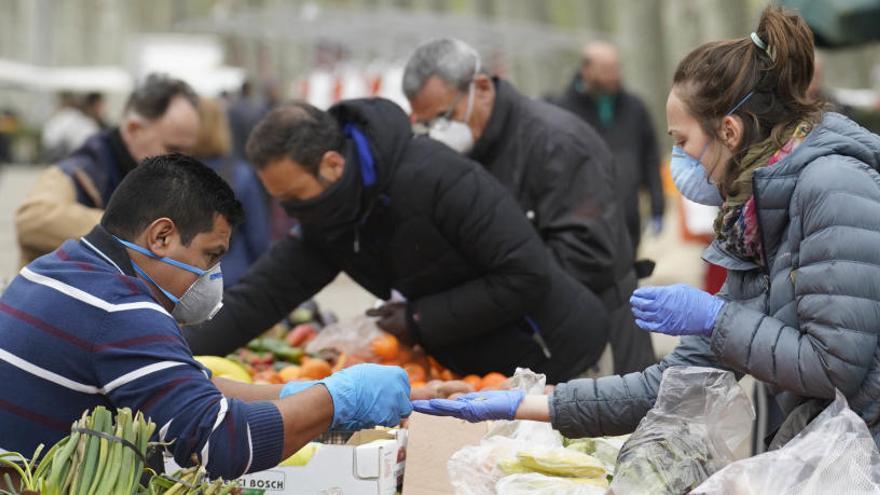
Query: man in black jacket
point(555, 165)
point(597, 96)
point(395, 211)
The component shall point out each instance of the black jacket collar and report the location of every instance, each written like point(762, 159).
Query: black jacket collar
point(110, 249)
point(506, 99)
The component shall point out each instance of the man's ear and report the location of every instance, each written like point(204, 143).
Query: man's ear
point(158, 236)
point(332, 166)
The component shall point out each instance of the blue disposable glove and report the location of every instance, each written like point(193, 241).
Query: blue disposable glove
point(675, 310)
point(293, 388)
point(367, 395)
point(657, 224)
point(475, 407)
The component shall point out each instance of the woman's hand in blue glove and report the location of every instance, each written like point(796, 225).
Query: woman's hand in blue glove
point(675, 310)
point(475, 407)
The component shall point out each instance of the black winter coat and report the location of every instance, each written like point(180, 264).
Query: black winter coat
point(561, 174)
point(446, 235)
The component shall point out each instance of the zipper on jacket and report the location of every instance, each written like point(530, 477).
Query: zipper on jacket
point(538, 338)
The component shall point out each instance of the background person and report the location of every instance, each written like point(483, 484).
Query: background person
point(68, 199)
point(597, 96)
point(555, 166)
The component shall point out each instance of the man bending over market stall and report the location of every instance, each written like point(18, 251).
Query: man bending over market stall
point(405, 213)
point(96, 323)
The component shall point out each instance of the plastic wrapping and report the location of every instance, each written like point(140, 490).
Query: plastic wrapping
point(538, 484)
point(834, 454)
point(353, 337)
point(700, 417)
point(475, 470)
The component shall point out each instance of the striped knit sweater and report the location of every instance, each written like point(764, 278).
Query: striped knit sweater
point(78, 329)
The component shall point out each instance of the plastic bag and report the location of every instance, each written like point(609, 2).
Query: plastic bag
point(352, 337)
point(538, 484)
point(700, 417)
point(475, 470)
point(834, 454)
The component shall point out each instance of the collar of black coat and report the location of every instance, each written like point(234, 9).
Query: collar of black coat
point(507, 99)
point(108, 248)
point(387, 129)
point(124, 161)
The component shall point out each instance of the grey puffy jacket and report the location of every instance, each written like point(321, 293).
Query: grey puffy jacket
point(806, 326)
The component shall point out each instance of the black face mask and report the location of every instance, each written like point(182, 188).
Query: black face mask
point(334, 210)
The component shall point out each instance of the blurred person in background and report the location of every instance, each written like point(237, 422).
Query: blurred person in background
point(244, 113)
point(67, 129)
point(555, 166)
point(68, 198)
point(95, 107)
point(597, 96)
point(213, 146)
point(10, 125)
point(405, 213)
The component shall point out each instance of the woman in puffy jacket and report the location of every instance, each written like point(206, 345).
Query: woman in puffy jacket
point(798, 232)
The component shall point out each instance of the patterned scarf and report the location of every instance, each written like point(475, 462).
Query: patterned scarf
point(736, 226)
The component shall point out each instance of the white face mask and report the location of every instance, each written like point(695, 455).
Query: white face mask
point(201, 301)
point(455, 133)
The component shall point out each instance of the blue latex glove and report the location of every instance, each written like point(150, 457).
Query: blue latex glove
point(367, 395)
point(475, 407)
point(675, 310)
point(657, 224)
point(293, 388)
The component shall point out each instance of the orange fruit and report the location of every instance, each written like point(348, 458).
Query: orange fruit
point(492, 381)
point(416, 372)
point(267, 377)
point(386, 347)
point(315, 369)
point(289, 373)
point(447, 375)
point(473, 381)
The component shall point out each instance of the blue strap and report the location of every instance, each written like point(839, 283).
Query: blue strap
point(368, 165)
point(146, 252)
point(142, 273)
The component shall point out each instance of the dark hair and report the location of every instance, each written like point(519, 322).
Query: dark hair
point(296, 130)
point(175, 186)
point(715, 77)
point(152, 97)
point(92, 98)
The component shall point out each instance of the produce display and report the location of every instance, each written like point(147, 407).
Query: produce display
point(287, 353)
point(103, 455)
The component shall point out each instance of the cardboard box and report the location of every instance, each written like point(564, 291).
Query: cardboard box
point(370, 463)
point(432, 440)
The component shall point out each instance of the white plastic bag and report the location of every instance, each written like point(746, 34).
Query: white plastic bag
point(700, 417)
point(474, 470)
point(353, 337)
point(538, 484)
point(835, 454)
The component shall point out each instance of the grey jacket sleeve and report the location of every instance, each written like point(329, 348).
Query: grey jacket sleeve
point(614, 405)
point(836, 204)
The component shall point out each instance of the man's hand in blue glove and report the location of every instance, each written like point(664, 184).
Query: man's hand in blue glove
point(475, 407)
point(675, 310)
point(367, 395)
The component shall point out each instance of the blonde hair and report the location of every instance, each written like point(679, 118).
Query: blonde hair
point(214, 137)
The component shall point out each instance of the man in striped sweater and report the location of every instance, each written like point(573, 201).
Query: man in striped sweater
point(96, 323)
